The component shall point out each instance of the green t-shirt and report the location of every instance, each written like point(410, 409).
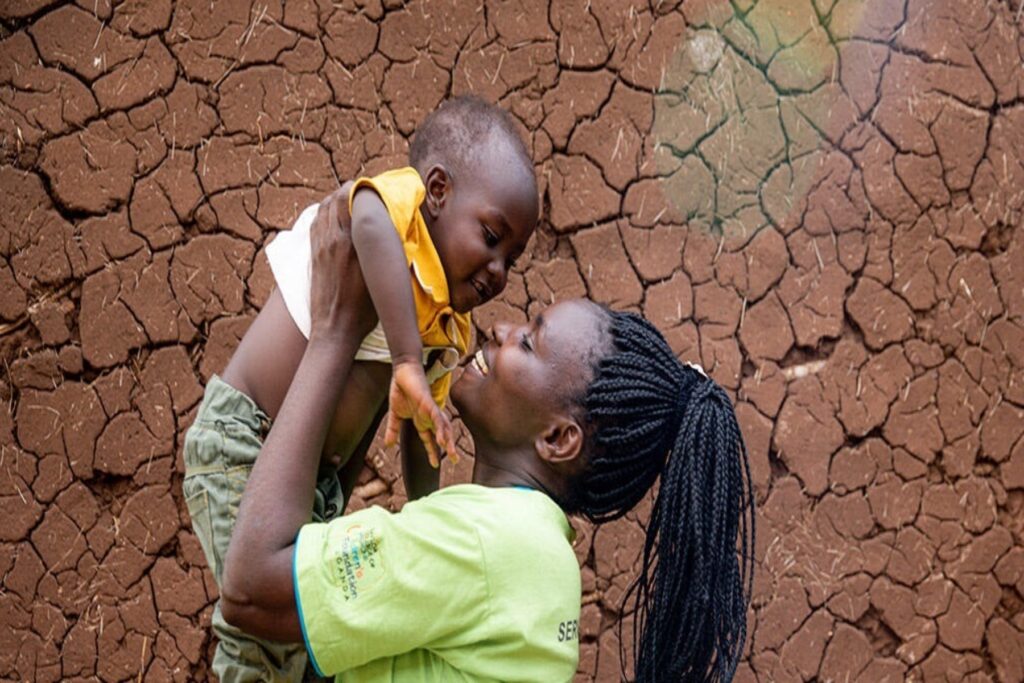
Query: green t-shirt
point(468, 584)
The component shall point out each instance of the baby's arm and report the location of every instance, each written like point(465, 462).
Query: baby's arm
point(385, 270)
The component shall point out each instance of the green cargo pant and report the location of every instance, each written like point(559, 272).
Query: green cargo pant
point(220, 449)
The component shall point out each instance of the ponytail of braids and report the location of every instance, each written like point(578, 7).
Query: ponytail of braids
point(650, 415)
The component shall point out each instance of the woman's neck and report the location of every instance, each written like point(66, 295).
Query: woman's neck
point(512, 471)
point(487, 475)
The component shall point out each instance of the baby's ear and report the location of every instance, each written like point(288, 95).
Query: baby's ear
point(439, 187)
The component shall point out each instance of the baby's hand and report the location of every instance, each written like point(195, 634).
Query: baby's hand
point(410, 398)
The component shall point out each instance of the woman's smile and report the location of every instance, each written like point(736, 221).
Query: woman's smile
point(480, 363)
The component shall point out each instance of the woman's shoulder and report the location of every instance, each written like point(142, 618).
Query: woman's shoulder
point(508, 520)
point(516, 505)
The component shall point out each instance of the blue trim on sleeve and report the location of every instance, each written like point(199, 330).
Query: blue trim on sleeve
point(298, 605)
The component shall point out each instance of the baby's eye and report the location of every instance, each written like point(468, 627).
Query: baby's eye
point(489, 237)
point(524, 341)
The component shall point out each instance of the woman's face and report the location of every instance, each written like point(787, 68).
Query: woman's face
point(525, 374)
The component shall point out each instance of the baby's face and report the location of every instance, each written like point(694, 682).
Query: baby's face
point(482, 229)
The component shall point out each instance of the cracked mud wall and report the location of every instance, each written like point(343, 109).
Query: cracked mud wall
point(820, 201)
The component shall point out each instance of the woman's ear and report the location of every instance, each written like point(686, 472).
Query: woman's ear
point(561, 442)
point(439, 186)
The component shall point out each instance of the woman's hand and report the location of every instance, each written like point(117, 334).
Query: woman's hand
point(339, 301)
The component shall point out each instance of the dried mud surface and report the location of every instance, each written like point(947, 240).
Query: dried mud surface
point(819, 200)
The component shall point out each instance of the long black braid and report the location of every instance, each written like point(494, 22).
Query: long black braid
point(651, 415)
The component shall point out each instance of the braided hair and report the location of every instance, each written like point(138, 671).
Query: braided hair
point(649, 416)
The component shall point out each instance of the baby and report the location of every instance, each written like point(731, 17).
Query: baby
point(434, 240)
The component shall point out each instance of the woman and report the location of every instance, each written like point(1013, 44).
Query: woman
point(581, 411)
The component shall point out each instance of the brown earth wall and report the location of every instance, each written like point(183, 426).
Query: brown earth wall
point(819, 200)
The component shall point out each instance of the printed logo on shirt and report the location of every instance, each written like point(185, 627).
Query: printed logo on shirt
point(569, 630)
point(357, 564)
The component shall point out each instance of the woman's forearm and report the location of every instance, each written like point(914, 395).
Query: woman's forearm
point(421, 479)
point(257, 593)
point(279, 494)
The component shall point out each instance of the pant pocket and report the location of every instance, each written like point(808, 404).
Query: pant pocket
point(328, 498)
point(235, 481)
point(198, 504)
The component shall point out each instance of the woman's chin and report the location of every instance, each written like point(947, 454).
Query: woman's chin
point(467, 376)
point(459, 389)
point(462, 396)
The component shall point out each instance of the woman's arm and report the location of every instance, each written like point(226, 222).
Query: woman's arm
point(257, 593)
point(420, 477)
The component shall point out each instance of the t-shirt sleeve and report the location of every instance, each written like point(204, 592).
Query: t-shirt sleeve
point(402, 192)
point(374, 584)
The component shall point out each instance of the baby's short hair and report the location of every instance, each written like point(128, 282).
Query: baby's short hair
point(452, 133)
